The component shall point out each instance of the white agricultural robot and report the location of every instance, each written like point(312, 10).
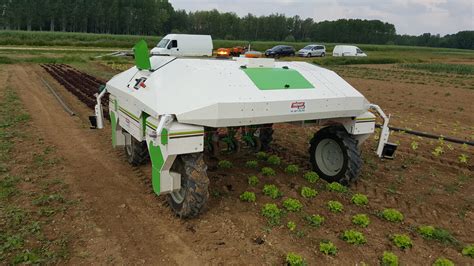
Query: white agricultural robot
point(168, 109)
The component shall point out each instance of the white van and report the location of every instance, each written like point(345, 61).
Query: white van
point(347, 50)
point(184, 45)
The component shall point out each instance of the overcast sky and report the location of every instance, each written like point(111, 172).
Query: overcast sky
point(409, 16)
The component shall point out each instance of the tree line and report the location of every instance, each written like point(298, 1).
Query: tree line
point(158, 17)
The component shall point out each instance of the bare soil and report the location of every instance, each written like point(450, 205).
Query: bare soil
point(120, 221)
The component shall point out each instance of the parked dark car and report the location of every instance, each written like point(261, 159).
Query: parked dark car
point(280, 50)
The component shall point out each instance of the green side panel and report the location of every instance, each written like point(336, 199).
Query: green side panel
point(277, 79)
point(156, 165)
point(144, 117)
point(164, 136)
point(113, 122)
point(142, 59)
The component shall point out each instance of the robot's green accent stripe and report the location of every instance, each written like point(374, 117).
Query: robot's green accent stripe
point(164, 136)
point(113, 122)
point(151, 125)
point(277, 79)
point(134, 117)
point(187, 133)
point(157, 163)
point(365, 119)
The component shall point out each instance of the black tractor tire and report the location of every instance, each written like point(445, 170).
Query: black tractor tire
point(135, 151)
point(266, 136)
point(194, 191)
point(351, 155)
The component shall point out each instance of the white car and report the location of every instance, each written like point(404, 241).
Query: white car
point(347, 50)
point(184, 45)
point(313, 50)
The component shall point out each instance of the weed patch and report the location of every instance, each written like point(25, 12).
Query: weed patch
point(435, 233)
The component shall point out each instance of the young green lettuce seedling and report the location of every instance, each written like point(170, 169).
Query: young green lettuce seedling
point(273, 159)
point(392, 215)
point(307, 192)
point(291, 226)
point(248, 196)
point(251, 164)
point(435, 233)
point(359, 199)
point(262, 155)
point(401, 241)
point(335, 206)
point(312, 177)
point(361, 220)
point(353, 237)
point(328, 248)
point(272, 213)
point(315, 220)
point(224, 164)
point(443, 262)
point(292, 169)
point(294, 259)
point(336, 187)
point(272, 191)
point(468, 251)
point(253, 180)
point(267, 171)
point(292, 205)
point(389, 259)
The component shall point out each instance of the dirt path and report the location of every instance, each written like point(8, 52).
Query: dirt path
point(129, 224)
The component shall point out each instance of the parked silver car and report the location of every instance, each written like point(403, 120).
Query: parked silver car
point(313, 50)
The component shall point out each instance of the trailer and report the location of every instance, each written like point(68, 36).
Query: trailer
point(167, 109)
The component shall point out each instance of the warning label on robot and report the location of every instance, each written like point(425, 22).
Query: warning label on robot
point(297, 107)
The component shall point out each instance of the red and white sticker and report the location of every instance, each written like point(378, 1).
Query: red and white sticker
point(297, 107)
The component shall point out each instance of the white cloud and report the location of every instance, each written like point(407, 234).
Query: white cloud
point(409, 16)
